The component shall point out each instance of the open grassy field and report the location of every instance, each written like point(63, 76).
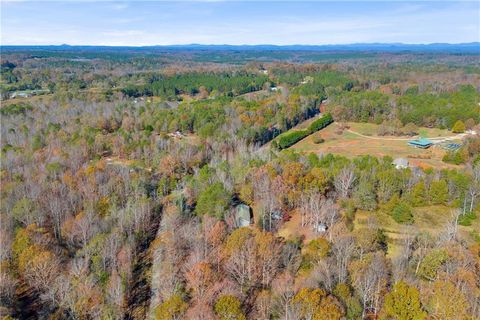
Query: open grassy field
point(371, 129)
point(361, 139)
point(431, 220)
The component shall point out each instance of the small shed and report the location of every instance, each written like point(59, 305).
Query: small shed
point(400, 163)
point(243, 215)
point(277, 215)
point(320, 227)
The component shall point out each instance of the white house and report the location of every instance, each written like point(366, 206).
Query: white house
point(400, 163)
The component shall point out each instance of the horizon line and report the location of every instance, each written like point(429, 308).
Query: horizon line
point(244, 45)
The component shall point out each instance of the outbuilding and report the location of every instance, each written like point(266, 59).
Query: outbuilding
point(423, 143)
point(320, 228)
point(400, 163)
point(243, 215)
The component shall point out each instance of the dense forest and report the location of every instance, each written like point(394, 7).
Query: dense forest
point(125, 177)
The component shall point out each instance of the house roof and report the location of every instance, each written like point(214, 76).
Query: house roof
point(242, 215)
point(400, 162)
point(421, 142)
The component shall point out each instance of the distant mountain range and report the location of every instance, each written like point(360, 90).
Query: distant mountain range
point(473, 47)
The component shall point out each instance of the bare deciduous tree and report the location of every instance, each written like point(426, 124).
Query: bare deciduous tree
point(343, 249)
point(344, 181)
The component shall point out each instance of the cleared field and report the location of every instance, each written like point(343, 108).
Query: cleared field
point(371, 129)
point(431, 220)
point(361, 139)
point(293, 229)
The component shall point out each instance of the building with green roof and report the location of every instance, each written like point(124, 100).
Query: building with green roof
point(423, 143)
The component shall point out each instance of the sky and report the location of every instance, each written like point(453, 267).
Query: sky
point(143, 23)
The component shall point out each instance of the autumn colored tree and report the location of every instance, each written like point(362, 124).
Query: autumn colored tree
point(263, 307)
point(403, 303)
point(369, 278)
point(316, 179)
point(42, 270)
point(35, 262)
point(199, 279)
point(314, 251)
point(228, 307)
point(458, 127)
point(252, 257)
point(351, 302)
point(171, 309)
point(469, 124)
point(316, 304)
point(269, 250)
point(24, 211)
point(246, 193)
point(446, 302)
point(431, 264)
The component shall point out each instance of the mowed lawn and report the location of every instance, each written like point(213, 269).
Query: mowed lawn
point(350, 144)
point(371, 129)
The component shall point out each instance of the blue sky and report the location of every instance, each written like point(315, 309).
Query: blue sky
point(139, 23)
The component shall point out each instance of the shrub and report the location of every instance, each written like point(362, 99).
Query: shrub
point(14, 109)
point(439, 192)
point(458, 127)
point(456, 157)
point(466, 219)
point(320, 123)
point(318, 140)
point(432, 263)
point(469, 124)
point(288, 139)
point(37, 142)
point(402, 213)
point(418, 195)
point(365, 197)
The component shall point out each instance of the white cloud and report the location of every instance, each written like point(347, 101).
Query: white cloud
point(150, 23)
